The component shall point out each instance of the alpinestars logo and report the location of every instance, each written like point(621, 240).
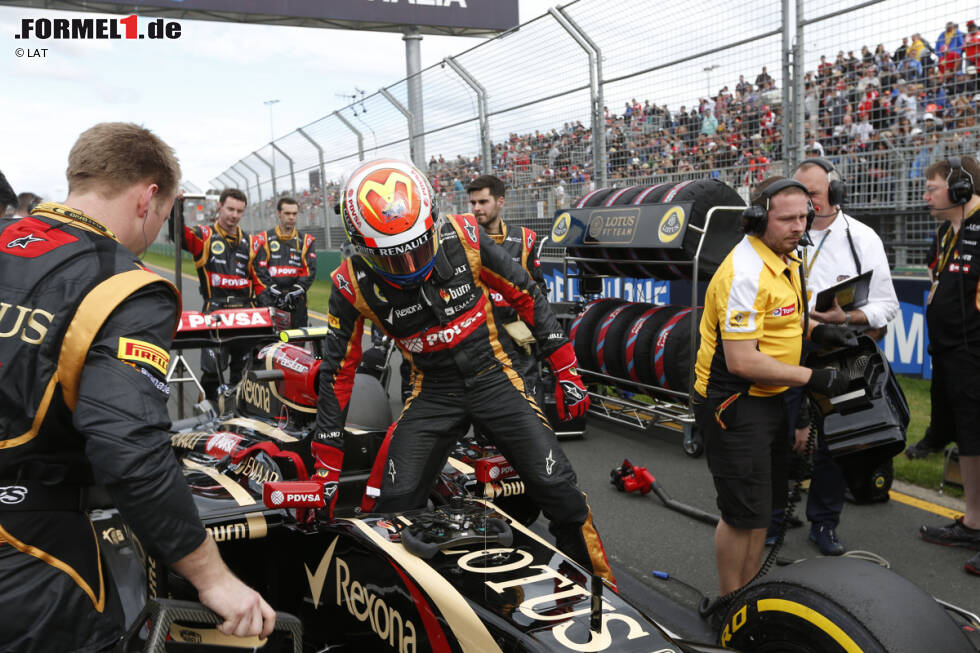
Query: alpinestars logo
point(24, 241)
point(549, 463)
point(343, 284)
point(572, 392)
point(391, 470)
point(470, 231)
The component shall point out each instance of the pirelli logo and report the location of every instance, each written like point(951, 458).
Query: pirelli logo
point(144, 353)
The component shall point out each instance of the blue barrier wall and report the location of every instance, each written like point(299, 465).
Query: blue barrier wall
point(905, 345)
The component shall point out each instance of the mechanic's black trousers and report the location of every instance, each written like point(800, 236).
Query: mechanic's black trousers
point(439, 412)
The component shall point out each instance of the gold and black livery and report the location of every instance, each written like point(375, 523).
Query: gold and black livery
point(84, 332)
point(463, 374)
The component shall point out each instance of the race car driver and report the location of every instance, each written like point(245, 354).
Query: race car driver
point(486, 196)
point(427, 285)
point(222, 255)
point(84, 332)
point(285, 264)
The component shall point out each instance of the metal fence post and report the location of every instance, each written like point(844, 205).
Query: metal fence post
point(292, 173)
point(799, 108)
point(258, 181)
point(481, 96)
point(360, 136)
point(248, 186)
point(272, 172)
point(413, 76)
point(595, 91)
point(323, 179)
point(789, 153)
point(228, 178)
point(409, 116)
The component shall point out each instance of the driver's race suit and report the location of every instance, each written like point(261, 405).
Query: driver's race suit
point(463, 374)
point(84, 333)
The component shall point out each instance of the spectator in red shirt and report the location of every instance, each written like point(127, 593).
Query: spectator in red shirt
point(972, 44)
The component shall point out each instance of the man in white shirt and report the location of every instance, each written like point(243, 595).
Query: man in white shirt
point(842, 248)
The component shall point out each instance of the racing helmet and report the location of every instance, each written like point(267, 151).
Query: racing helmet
point(389, 218)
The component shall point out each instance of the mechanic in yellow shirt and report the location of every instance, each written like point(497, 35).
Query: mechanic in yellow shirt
point(751, 336)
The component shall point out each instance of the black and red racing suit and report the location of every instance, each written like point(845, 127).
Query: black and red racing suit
point(284, 268)
point(84, 334)
point(463, 374)
point(224, 268)
point(519, 242)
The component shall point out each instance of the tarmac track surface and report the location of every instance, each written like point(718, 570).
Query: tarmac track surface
point(641, 535)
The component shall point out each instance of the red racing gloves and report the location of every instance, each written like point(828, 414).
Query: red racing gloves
point(328, 460)
point(571, 397)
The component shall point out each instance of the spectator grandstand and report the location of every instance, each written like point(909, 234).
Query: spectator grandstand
point(882, 115)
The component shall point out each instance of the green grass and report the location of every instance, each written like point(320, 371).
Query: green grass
point(317, 296)
point(925, 472)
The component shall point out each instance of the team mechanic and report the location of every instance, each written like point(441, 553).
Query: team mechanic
point(285, 264)
point(84, 332)
point(427, 286)
point(953, 318)
point(751, 337)
point(486, 196)
point(223, 257)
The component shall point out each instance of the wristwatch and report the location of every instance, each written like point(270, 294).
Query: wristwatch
point(847, 318)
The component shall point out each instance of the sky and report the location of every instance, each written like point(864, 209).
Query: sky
point(203, 93)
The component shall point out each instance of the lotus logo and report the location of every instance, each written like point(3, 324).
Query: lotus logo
point(277, 497)
point(595, 227)
point(560, 229)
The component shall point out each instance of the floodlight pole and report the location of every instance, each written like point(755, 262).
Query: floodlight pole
point(292, 173)
point(413, 74)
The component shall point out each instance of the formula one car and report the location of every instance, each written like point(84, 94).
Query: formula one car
point(462, 574)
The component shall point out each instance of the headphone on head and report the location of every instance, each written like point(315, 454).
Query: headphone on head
point(837, 190)
point(755, 217)
point(961, 189)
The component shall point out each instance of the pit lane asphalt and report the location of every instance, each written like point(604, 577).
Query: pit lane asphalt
point(641, 535)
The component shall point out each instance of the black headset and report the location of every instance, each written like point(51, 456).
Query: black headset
point(837, 191)
point(961, 189)
point(755, 217)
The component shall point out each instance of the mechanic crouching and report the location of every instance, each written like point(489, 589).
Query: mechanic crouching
point(427, 285)
point(751, 336)
point(84, 336)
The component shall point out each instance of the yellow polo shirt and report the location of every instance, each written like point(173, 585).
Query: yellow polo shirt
point(754, 295)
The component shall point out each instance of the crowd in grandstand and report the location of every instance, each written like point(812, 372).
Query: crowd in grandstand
point(888, 113)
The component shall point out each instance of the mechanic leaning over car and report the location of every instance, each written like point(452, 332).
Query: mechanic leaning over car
point(486, 197)
point(428, 284)
point(751, 335)
point(84, 337)
point(223, 256)
point(285, 264)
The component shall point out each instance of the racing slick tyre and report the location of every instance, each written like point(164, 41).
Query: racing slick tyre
point(642, 341)
point(584, 327)
point(832, 605)
point(609, 341)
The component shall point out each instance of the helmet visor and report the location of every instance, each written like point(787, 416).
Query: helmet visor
point(400, 260)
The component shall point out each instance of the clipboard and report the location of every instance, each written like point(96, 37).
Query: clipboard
point(850, 293)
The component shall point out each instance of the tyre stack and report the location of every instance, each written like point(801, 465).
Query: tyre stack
point(724, 231)
point(637, 342)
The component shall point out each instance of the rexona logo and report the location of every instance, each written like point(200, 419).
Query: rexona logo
point(551, 588)
point(364, 605)
point(256, 394)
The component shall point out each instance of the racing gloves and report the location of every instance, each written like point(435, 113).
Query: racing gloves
point(832, 335)
point(292, 297)
point(328, 459)
point(828, 382)
point(571, 397)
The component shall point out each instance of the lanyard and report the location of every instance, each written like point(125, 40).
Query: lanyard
point(946, 249)
point(63, 211)
point(809, 266)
